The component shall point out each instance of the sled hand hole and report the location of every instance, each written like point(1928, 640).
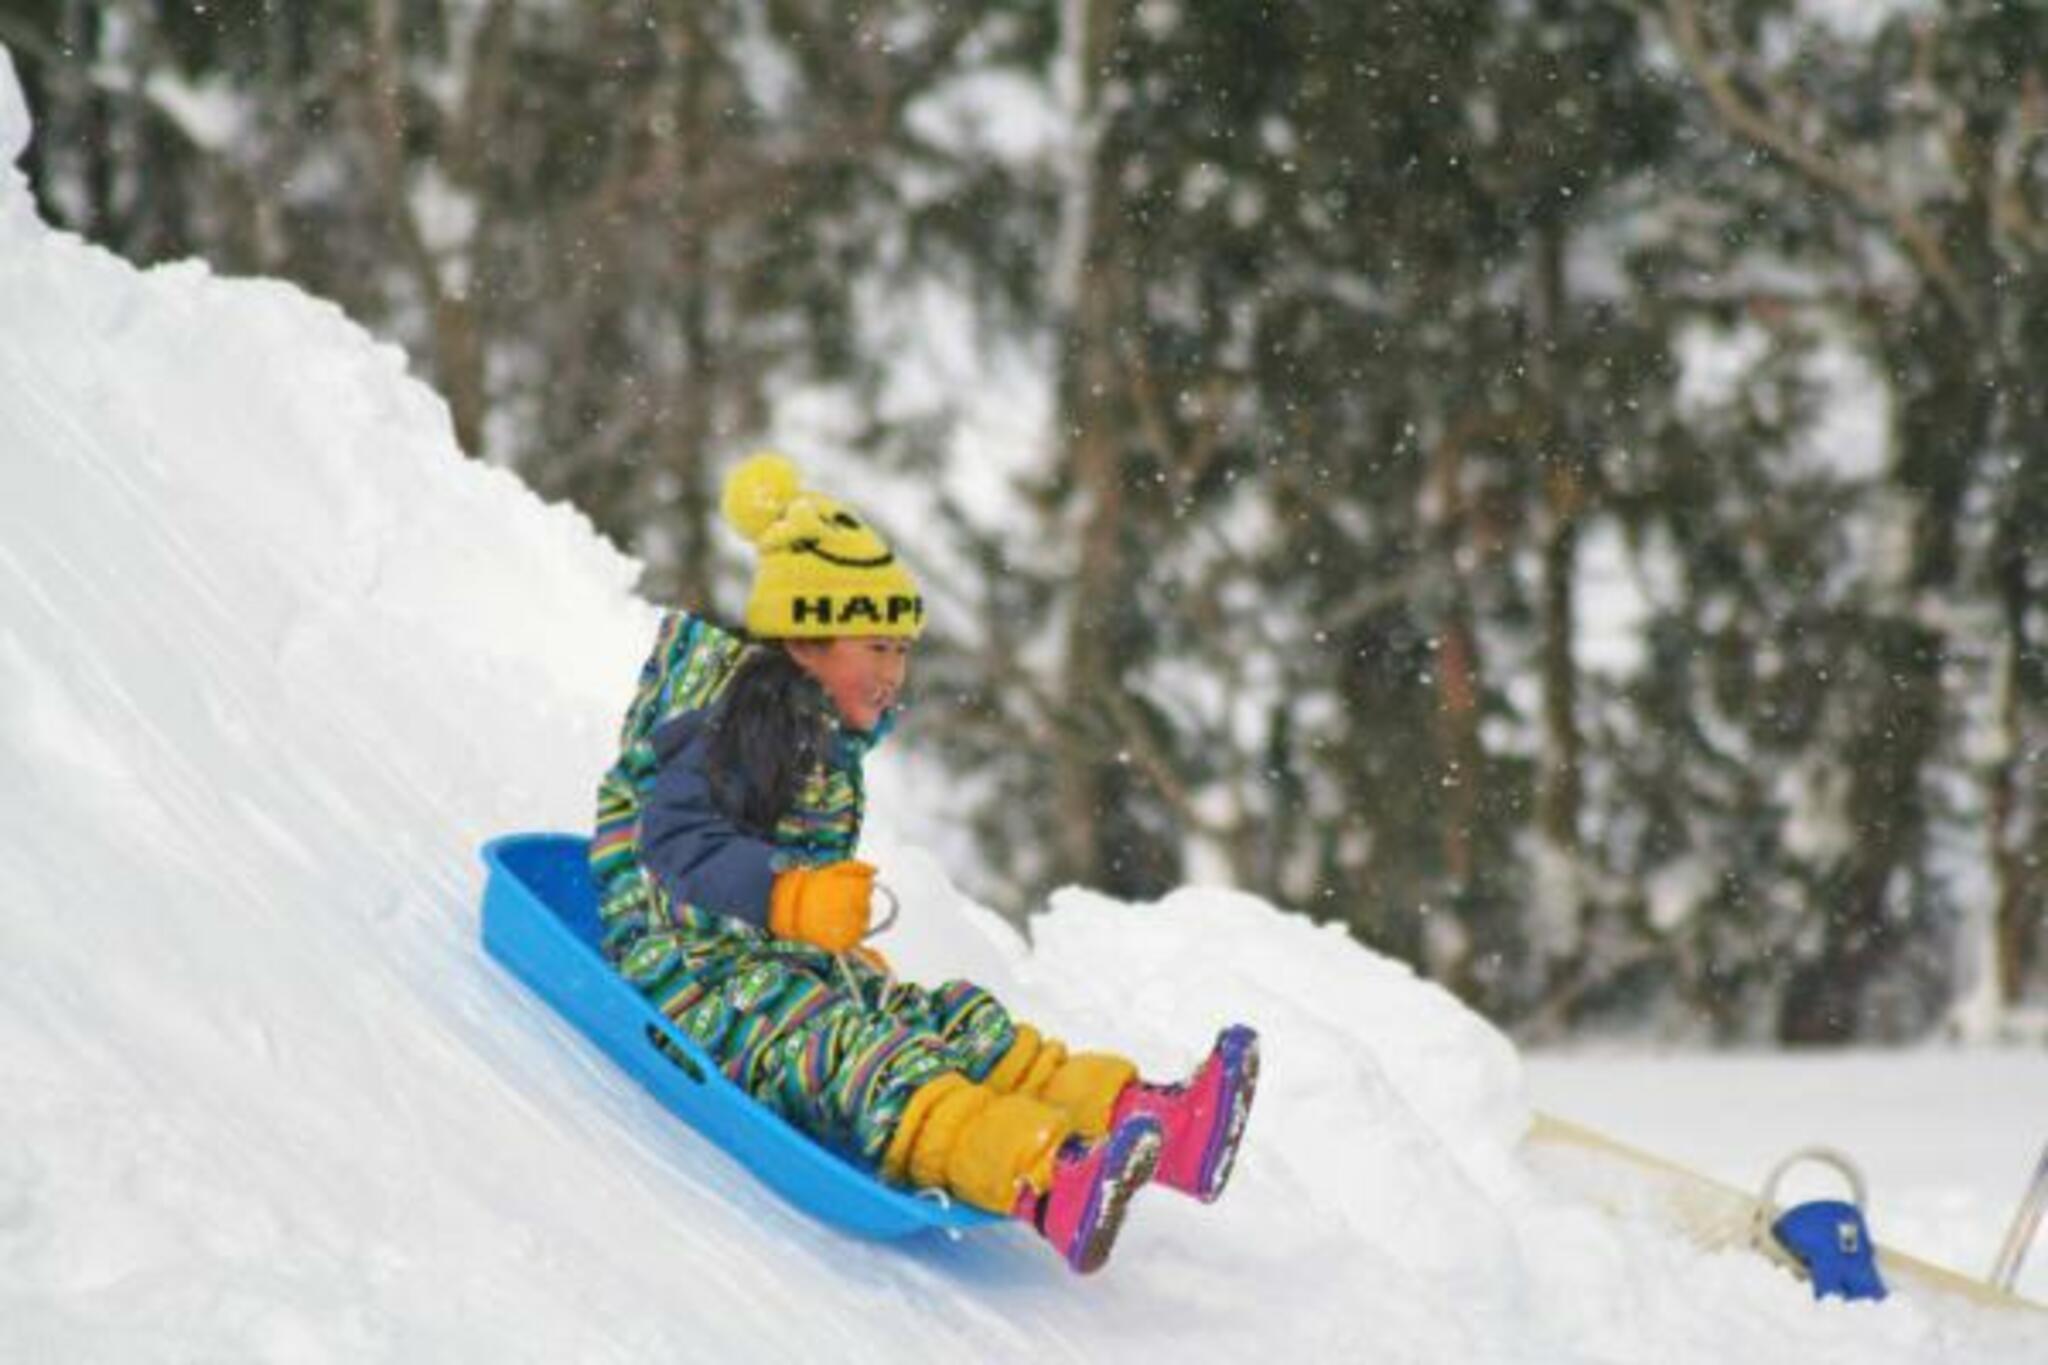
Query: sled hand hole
point(682, 1060)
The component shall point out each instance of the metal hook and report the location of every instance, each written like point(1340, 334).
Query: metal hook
point(852, 982)
point(1826, 1156)
point(889, 920)
point(1767, 1201)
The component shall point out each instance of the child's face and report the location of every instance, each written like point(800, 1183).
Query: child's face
point(862, 674)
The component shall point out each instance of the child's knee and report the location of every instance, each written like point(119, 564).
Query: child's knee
point(979, 1145)
point(1084, 1084)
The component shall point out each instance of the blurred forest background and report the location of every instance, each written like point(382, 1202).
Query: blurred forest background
point(1557, 486)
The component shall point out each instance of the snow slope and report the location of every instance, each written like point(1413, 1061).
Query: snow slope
point(274, 658)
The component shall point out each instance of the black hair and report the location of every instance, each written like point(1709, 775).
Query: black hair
point(766, 734)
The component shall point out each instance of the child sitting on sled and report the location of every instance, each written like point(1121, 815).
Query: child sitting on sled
point(731, 898)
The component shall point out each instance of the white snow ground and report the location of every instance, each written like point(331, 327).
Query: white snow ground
point(274, 659)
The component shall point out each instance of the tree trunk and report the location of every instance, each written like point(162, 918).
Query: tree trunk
point(1555, 957)
point(1085, 777)
point(1087, 290)
point(2013, 838)
point(688, 424)
point(456, 348)
point(1456, 672)
point(1897, 719)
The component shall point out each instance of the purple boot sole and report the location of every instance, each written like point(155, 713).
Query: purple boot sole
point(1237, 1049)
point(1127, 1160)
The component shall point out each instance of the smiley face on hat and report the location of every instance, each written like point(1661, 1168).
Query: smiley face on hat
point(814, 524)
point(823, 569)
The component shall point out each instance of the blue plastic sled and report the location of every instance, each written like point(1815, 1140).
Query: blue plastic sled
point(540, 920)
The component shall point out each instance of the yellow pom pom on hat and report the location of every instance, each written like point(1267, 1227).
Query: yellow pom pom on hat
point(823, 570)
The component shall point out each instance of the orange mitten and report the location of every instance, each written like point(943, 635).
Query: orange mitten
point(825, 905)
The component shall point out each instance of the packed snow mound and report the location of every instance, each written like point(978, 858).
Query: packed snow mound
point(14, 130)
point(275, 657)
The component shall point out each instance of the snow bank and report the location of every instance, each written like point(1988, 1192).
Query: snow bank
point(14, 130)
point(274, 657)
point(13, 114)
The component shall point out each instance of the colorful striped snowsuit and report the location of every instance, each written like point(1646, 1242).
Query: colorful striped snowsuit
point(776, 1015)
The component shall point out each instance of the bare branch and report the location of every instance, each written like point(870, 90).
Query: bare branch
point(1775, 134)
point(2012, 211)
point(1137, 741)
point(118, 85)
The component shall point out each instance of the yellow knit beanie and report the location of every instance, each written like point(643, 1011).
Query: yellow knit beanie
point(823, 570)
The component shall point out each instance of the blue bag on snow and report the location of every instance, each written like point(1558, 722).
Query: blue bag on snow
point(1831, 1239)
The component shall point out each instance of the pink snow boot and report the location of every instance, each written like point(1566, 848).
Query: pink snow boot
point(1202, 1119)
point(1082, 1211)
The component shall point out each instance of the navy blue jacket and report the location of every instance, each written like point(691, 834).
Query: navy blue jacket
point(689, 844)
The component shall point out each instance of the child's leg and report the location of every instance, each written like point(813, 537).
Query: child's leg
point(982, 1147)
point(1202, 1118)
point(894, 1088)
point(1085, 1084)
point(846, 1070)
point(1016, 1155)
